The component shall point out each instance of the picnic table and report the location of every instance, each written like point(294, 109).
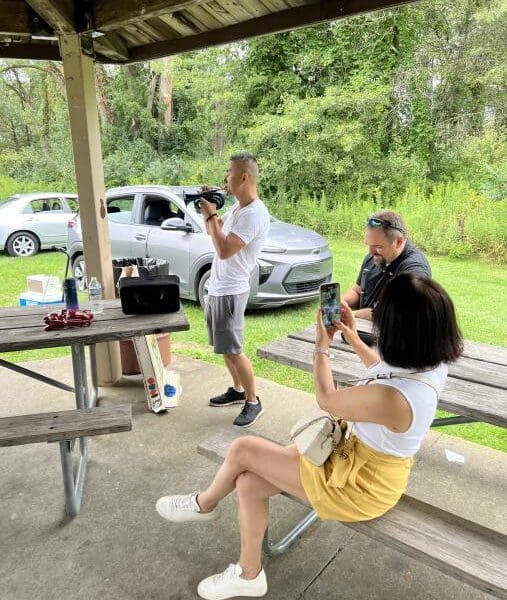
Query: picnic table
point(475, 389)
point(23, 329)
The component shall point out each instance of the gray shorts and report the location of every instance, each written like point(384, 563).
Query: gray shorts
point(224, 319)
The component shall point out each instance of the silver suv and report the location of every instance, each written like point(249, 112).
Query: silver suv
point(154, 221)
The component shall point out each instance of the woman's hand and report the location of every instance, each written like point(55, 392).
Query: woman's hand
point(347, 324)
point(324, 335)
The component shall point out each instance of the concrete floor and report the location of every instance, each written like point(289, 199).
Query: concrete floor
point(118, 548)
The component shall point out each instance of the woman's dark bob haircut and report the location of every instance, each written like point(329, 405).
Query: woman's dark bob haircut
point(416, 323)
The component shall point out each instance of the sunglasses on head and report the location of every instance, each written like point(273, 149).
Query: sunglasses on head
point(376, 223)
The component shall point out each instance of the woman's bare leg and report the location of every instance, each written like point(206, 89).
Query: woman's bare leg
point(277, 465)
point(258, 469)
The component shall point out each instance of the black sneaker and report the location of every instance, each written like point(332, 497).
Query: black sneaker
point(249, 414)
point(231, 396)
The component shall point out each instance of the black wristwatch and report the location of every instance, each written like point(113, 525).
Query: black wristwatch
point(211, 216)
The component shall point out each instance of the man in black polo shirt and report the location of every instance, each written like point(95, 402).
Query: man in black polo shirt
point(390, 253)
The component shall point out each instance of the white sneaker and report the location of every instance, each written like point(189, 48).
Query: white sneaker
point(183, 508)
point(230, 584)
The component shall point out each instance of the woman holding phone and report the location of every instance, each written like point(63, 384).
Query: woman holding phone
point(388, 419)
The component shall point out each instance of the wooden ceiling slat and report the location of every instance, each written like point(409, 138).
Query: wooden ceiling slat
point(272, 23)
point(112, 46)
point(235, 9)
point(165, 30)
point(219, 13)
point(204, 18)
point(112, 14)
point(256, 9)
point(181, 28)
point(141, 39)
point(149, 31)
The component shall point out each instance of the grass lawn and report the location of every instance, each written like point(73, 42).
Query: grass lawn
point(477, 288)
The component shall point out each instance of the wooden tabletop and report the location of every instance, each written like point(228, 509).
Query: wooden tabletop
point(23, 328)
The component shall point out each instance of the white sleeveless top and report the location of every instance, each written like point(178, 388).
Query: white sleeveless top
point(422, 399)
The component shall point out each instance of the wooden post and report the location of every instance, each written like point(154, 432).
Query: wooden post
point(84, 125)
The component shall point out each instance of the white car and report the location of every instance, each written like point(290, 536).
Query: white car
point(31, 222)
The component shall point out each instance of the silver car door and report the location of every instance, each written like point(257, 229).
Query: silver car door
point(122, 229)
point(48, 220)
point(173, 246)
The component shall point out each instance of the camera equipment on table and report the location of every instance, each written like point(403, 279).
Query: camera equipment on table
point(216, 196)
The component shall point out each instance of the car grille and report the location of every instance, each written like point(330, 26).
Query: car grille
point(305, 287)
point(306, 278)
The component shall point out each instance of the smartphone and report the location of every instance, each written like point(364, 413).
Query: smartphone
point(330, 303)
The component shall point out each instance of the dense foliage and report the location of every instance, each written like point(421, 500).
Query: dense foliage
point(402, 108)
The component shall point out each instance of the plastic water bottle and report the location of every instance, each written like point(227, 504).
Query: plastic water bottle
point(95, 295)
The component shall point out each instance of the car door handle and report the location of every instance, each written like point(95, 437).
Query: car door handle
point(140, 238)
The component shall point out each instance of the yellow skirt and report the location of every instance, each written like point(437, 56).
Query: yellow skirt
point(361, 487)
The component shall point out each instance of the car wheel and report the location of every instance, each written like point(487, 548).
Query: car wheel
point(202, 290)
point(23, 243)
point(79, 272)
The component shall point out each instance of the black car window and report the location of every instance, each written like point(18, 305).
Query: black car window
point(45, 205)
point(119, 209)
point(157, 209)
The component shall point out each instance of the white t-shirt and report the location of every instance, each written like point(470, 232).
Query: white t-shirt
point(251, 224)
point(423, 402)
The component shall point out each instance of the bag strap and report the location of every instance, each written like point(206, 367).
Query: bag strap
point(414, 376)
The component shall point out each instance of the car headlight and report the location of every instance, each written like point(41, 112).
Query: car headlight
point(265, 270)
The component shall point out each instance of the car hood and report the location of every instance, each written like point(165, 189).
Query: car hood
point(293, 238)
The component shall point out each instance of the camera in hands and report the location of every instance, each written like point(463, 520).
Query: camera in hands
point(215, 196)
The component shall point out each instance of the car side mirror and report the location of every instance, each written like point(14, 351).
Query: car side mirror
point(176, 224)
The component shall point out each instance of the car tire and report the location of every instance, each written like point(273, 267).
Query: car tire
point(79, 272)
point(202, 289)
point(22, 243)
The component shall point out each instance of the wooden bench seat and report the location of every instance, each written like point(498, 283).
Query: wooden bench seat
point(64, 425)
point(455, 546)
point(479, 401)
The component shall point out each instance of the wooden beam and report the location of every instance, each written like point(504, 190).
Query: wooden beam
point(30, 51)
point(84, 126)
point(113, 14)
point(59, 14)
point(273, 23)
point(14, 17)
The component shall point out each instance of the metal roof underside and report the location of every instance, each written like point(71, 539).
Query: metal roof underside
point(126, 31)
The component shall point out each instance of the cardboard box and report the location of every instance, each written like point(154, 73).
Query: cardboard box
point(156, 378)
point(43, 284)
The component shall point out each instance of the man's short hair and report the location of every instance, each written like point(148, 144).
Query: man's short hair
point(249, 163)
point(395, 226)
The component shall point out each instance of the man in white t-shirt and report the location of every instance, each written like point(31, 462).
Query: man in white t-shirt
point(238, 238)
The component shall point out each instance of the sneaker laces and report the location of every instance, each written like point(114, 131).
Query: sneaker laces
point(233, 571)
point(186, 502)
point(244, 410)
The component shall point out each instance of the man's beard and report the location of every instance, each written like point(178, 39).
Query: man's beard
point(379, 260)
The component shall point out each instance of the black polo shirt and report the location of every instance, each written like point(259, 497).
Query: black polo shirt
point(372, 278)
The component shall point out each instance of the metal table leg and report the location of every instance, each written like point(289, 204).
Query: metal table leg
point(73, 483)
